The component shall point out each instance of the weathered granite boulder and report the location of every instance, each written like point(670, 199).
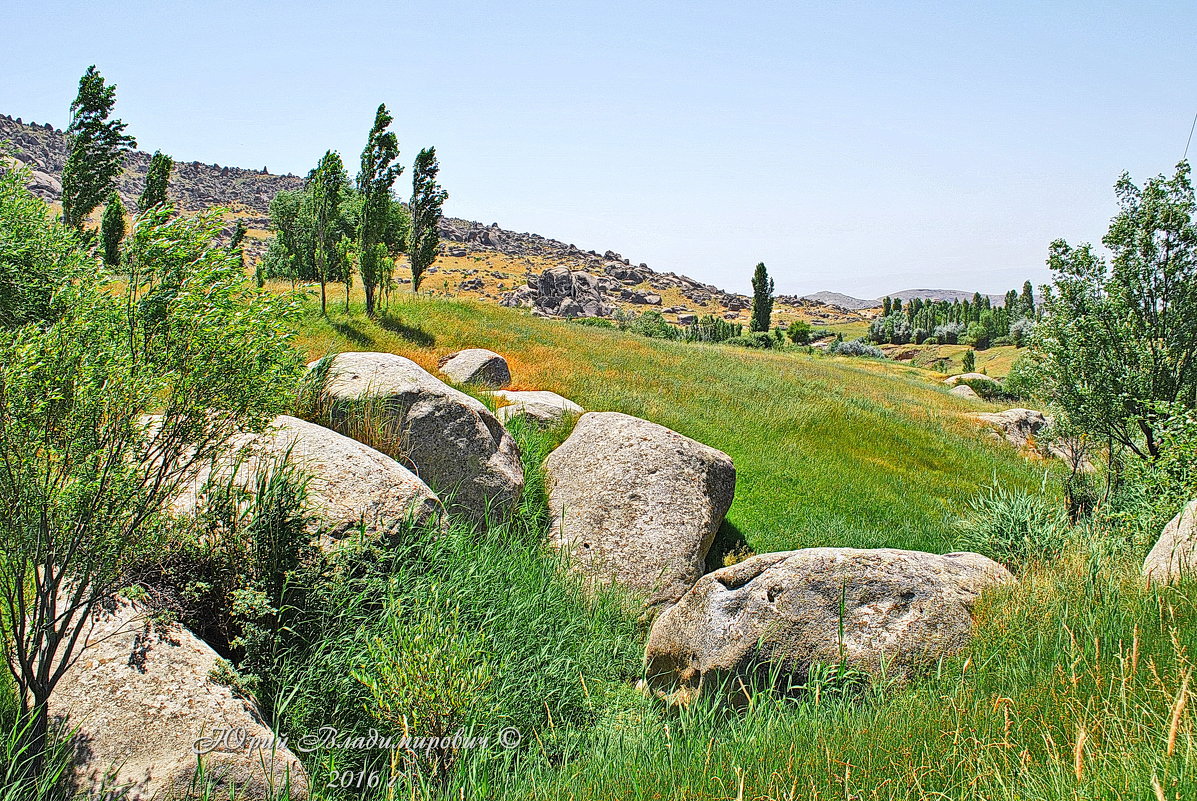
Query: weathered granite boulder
point(964, 391)
point(953, 380)
point(1174, 555)
point(637, 503)
point(477, 366)
point(449, 439)
point(1024, 428)
point(147, 705)
point(782, 612)
point(350, 486)
point(543, 408)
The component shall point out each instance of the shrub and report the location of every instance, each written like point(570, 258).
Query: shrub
point(653, 324)
point(1021, 332)
point(977, 336)
point(856, 347)
point(948, 333)
point(595, 322)
point(762, 340)
point(799, 332)
point(1014, 528)
point(970, 361)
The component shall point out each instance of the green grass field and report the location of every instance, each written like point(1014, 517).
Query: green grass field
point(1076, 685)
point(828, 451)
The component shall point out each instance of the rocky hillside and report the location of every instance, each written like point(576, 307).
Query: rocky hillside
point(478, 261)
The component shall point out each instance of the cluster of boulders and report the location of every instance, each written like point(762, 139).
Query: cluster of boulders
point(632, 503)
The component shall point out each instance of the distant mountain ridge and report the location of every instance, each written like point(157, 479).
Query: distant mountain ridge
point(859, 304)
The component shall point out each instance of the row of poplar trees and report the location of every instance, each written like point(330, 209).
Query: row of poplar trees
point(330, 228)
point(96, 151)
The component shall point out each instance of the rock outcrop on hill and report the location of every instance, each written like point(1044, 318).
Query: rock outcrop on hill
point(637, 503)
point(450, 440)
point(146, 705)
point(879, 610)
point(611, 281)
point(193, 186)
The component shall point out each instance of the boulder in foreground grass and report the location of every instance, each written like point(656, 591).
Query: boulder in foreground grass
point(449, 439)
point(637, 503)
point(542, 408)
point(477, 366)
point(782, 612)
point(145, 703)
point(1174, 555)
point(349, 486)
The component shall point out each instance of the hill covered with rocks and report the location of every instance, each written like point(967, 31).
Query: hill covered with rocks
point(478, 261)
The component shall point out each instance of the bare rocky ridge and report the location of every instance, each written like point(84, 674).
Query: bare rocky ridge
point(613, 281)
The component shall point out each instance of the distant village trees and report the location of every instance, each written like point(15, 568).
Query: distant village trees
point(977, 322)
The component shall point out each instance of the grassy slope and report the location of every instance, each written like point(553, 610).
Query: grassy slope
point(828, 451)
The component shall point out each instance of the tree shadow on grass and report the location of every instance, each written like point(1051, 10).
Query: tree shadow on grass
point(728, 540)
point(412, 333)
point(351, 332)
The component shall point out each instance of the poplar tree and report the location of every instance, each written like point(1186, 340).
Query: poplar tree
point(96, 148)
point(327, 185)
point(375, 182)
point(762, 299)
point(112, 229)
point(157, 178)
point(427, 198)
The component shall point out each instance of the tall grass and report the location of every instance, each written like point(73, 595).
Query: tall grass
point(829, 451)
point(452, 630)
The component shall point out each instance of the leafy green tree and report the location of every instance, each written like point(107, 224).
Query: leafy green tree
point(375, 183)
point(1118, 340)
point(86, 479)
point(762, 299)
point(799, 332)
point(327, 185)
point(427, 199)
point(970, 360)
point(157, 178)
point(112, 230)
point(96, 149)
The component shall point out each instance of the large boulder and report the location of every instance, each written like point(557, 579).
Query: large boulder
point(964, 391)
point(953, 380)
point(147, 706)
point(1019, 427)
point(879, 610)
point(349, 487)
point(477, 366)
point(567, 293)
point(541, 407)
point(637, 503)
point(451, 441)
point(1022, 428)
point(1175, 553)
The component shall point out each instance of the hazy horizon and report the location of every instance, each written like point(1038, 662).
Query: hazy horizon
point(858, 148)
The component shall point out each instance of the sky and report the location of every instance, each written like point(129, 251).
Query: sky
point(855, 147)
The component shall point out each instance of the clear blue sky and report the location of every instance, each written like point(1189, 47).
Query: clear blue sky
point(858, 147)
